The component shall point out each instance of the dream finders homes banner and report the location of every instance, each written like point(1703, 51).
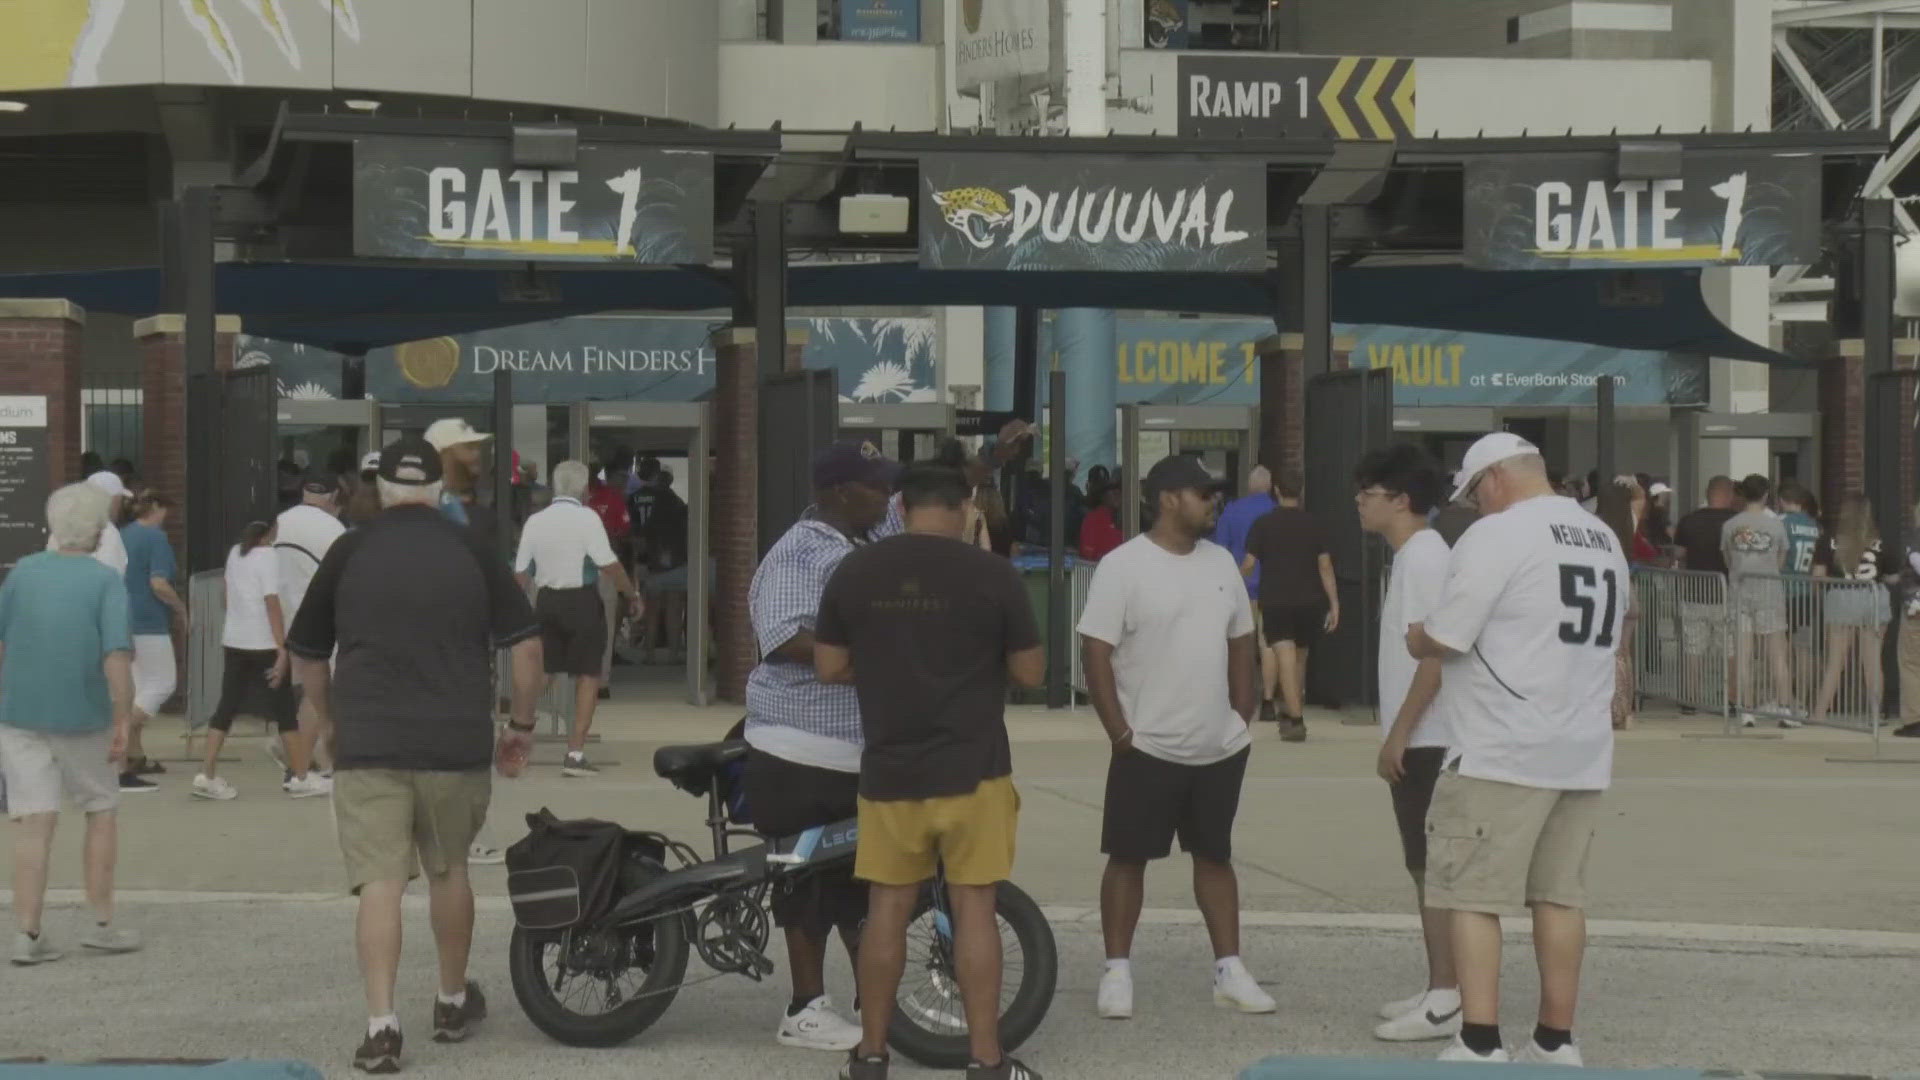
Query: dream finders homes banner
point(1024, 212)
point(1572, 212)
point(463, 199)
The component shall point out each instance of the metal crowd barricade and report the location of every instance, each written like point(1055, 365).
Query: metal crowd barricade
point(1681, 637)
point(1080, 580)
point(553, 710)
point(1809, 650)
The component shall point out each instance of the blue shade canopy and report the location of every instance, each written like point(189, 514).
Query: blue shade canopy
point(349, 307)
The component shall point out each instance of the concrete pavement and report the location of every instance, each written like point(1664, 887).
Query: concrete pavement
point(1753, 901)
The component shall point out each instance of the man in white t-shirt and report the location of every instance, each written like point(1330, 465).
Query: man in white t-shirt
point(1171, 666)
point(303, 535)
point(1398, 487)
point(1534, 606)
point(112, 551)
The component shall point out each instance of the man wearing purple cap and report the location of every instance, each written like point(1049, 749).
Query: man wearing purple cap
point(804, 768)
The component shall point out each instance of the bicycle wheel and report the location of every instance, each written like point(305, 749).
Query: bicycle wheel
point(598, 988)
point(929, 1023)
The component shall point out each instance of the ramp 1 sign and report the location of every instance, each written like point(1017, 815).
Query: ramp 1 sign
point(1560, 212)
point(26, 478)
point(1301, 97)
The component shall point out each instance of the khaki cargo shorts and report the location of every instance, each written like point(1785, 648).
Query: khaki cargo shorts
point(1496, 848)
point(393, 822)
point(902, 840)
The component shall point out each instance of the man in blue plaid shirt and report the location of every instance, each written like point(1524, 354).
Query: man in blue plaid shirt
point(804, 766)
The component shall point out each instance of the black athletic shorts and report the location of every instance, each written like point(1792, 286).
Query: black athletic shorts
point(1298, 623)
point(1411, 797)
point(573, 630)
point(244, 691)
point(786, 798)
point(1149, 801)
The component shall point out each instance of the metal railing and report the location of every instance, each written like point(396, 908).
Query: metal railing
point(1079, 581)
point(1763, 648)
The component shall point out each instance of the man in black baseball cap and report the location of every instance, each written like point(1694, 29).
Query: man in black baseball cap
point(1167, 639)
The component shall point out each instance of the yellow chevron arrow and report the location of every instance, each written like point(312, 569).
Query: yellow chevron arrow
point(1403, 99)
point(1330, 97)
point(1369, 98)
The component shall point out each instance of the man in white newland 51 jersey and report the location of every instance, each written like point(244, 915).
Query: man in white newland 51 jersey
point(1535, 600)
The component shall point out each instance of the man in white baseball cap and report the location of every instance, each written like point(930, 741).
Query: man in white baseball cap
point(459, 446)
point(111, 552)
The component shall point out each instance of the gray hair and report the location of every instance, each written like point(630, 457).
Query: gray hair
point(570, 480)
point(392, 494)
point(76, 514)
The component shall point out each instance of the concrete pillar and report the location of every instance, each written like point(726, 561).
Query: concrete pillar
point(163, 413)
point(40, 357)
point(1083, 340)
point(996, 374)
point(1283, 398)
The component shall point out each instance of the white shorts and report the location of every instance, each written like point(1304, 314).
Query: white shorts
point(41, 767)
point(154, 673)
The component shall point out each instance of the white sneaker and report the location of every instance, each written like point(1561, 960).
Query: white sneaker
point(308, 786)
point(1791, 723)
point(28, 951)
point(1235, 989)
point(818, 1027)
point(1394, 1010)
point(1116, 995)
point(110, 939)
point(216, 788)
point(1532, 1054)
point(1423, 1022)
point(1457, 1051)
point(482, 855)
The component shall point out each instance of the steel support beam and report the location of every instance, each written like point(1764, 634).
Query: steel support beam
point(1603, 415)
point(1026, 363)
point(1802, 78)
point(770, 286)
point(1059, 588)
point(503, 458)
point(1805, 14)
point(1316, 289)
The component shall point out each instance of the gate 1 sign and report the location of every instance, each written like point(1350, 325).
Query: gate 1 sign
point(1305, 97)
point(1026, 212)
point(1570, 212)
point(463, 199)
point(26, 478)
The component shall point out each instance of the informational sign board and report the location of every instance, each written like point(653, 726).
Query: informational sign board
point(880, 20)
point(26, 478)
point(1001, 39)
point(1069, 212)
point(1559, 212)
point(465, 199)
point(1303, 97)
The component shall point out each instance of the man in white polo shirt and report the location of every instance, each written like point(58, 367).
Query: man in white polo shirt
point(1533, 609)
point(303, 535)
point(563, 549)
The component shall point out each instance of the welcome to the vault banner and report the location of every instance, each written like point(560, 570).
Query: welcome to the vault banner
point(465, 199)
point(1559, 212)
point(1026, 212)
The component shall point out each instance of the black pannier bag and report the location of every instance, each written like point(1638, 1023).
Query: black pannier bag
point(571, 873)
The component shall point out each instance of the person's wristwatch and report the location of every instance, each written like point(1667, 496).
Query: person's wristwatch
point(528, 730)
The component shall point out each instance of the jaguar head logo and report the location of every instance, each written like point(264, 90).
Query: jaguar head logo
point(976, 213)
point(1163, 19)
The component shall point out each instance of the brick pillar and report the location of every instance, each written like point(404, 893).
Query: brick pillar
point(163, 414)
point(1283, 399)
point(40, 355)
point(735, 491)
point(1843, 425)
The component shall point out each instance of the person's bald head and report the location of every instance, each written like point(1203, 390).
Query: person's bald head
point(1720, 493)
point(1259, 481)
point(1510, 480)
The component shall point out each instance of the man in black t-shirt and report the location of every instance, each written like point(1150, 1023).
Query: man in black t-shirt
point(1698, 537)
point(930, 630)
point(1298, 601)
point(415, 606)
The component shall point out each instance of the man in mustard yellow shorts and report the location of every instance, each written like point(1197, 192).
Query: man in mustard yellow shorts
point(929, 629)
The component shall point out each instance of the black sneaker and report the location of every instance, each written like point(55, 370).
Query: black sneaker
point(864, 1068)
point(451, 1022)
point(1908, 731)
point(146, 766)
point(605, 694)
point(132, 784)
point(577, 765)
point(1269, 713)
point(1009, 1069)
point(380, 1053)
point(1293, 729)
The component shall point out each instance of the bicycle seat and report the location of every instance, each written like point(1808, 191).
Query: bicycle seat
point(691, 768)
